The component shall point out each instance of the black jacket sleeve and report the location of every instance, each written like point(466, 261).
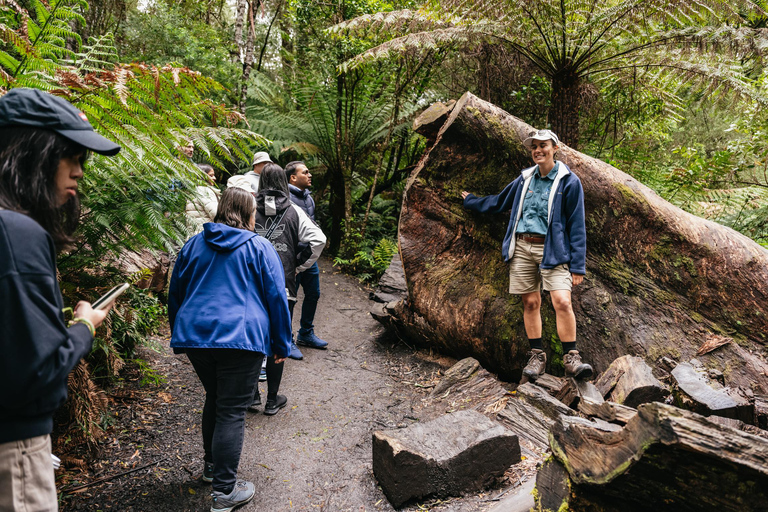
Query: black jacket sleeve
point(38, 349)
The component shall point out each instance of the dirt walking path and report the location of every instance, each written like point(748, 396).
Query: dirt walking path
point(314, 455)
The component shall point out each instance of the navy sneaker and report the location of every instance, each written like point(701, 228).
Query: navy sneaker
point(275, 405)
point(311, 340)
point(295, 352)
point(208, 472)
point(241, 494)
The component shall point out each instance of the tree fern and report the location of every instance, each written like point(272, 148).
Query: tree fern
point(571, 42)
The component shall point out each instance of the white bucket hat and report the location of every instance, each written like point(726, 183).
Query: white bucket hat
point(541, 135)
point(260, 158)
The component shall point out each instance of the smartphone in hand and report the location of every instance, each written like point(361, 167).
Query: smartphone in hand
point(111, 295)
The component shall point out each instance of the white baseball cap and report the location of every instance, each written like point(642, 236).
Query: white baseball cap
point(260, 158)
point(541, 135)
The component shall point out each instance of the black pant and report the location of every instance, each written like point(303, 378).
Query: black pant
point(274, 370)
point(228, 376)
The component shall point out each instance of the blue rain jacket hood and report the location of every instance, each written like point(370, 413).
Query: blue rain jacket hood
point(228, 291)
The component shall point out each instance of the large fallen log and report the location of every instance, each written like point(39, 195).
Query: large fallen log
point(660, 281)
point(664, 459)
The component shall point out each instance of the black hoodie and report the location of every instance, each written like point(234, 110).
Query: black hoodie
point(278, 222)
point(38, 350)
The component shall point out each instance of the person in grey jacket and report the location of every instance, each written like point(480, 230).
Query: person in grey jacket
point(545, 245)
point(287, 227)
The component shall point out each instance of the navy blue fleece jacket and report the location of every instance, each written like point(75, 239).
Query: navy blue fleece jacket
point(566, 238)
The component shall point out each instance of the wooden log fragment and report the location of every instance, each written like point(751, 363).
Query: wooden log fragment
point(453, 454)
point(694, 392)
point(739, 425)
point(461, 371)
point(761, 411)
point(553, 487)
point(630, 381)
point(552, 384)
point(608, 411)
point(531, 413)
point(569, 394)
point(526, 421)
point(574, 390)
point(663, 459)
point(539, 398)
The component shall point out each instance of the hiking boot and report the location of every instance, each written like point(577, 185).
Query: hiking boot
point(575, 368)
point(311, 340)
point(208, 472)
point(241, 494)
point(536, 364)
point(295, 352)
point(275, 405)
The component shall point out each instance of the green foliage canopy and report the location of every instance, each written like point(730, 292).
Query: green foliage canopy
point(135, 199)
point(662, 44)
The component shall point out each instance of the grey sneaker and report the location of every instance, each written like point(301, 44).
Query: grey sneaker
point(208, 472)
point(536, 364)
point(241, 494)
point(575, 368)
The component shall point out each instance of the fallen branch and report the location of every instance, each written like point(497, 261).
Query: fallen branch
point(108, 478)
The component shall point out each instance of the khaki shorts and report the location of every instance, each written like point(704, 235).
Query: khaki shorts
point(27, 481)
point(525, 276)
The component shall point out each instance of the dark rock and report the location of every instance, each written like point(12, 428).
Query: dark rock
point(392, 287)
point(454, 454)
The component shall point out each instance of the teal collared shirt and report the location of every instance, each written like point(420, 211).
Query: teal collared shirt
point(536, 202)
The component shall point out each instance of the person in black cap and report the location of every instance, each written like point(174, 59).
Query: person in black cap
point(44, 142)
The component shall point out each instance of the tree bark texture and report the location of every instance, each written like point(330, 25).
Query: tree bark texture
point(659, 280)
point(564, 108)
point(664, 459)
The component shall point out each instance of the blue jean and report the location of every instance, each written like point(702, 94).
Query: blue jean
point(309, 280)
point(228, 376)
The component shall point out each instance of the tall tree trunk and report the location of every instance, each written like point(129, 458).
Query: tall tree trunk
point(249, 54)
point(660, 282)
point(266, 37)
point(240, 21)
point(287, 57)
point(565, 108)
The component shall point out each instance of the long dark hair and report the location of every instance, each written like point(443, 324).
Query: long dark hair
point(273, 178)
point(29, 161)
point(235, 208)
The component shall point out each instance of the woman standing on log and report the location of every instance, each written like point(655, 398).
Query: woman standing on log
point(545, 242)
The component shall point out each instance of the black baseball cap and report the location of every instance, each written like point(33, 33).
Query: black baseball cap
point(38, 109)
